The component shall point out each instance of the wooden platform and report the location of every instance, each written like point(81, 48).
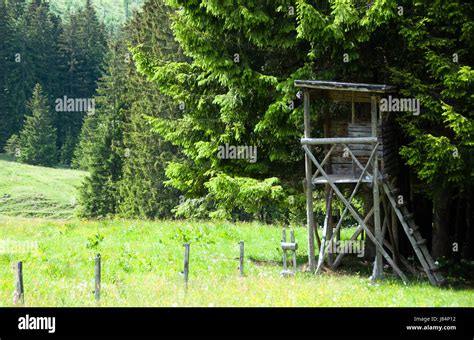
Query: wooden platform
point(341, 179)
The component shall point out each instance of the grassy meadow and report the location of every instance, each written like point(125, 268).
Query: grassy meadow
point(142, 260)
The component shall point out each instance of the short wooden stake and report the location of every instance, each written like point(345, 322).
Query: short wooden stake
point(186, 263)
point(19, 292)
point(97, 277)
point(241, 263)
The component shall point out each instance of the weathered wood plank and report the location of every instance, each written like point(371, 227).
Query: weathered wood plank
point(345, 140)
point(378, 264)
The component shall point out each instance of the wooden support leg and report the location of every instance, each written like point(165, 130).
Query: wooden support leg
point(315, 223)
point(378, 264)
point(356, 216)
point(283, 239)
point(389, 217)
point(395, 240)
point(309, 187)
point(362, 174)
point(330, 223)
point(354, 237)
point(322, 249)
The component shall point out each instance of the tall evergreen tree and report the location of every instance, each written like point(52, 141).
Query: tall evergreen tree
point(6, 53)
point(237, 86)
point(38, 136)
point(33, 56)
point(438, 71)
point(138, 162)
point(143, 192)
point(42, 32)
point(83, 46)
point(100, 145)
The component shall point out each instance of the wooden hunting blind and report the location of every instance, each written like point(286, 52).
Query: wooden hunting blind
point(358, 148)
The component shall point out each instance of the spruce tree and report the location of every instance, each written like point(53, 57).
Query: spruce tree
point(438, 72)
point(127, 160)
point(83, 47)
point(38, 136)
point(6, 32)
point(143, 192)
point(32, 56)
point(100, 144)
point(238, 85)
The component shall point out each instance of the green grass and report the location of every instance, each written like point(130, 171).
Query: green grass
point(142, 261)
point(27, 190)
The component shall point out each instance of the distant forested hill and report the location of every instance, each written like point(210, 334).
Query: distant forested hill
point(111, 12)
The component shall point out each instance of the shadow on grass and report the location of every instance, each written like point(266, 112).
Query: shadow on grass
point(350, 265)
point(460, 277)
point(265, 262)
point(6, 157)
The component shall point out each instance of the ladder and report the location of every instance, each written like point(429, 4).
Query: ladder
point(417, 241)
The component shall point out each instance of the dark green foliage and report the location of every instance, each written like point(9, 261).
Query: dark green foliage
point(143, 189)
point(238, 82)
point(239, 102)
point(12, 146)
point(100, 147)
point(143, 192)
point(83, 46)
point(6, 32)
point(436, 68)
point(66, 152)
point(131, 178)
point(66, 58)
point(38, 136)
point(440, 75)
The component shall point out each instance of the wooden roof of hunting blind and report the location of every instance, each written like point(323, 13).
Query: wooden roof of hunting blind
point(339, 91)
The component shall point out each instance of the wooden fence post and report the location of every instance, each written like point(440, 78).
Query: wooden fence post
point(186, 263)
point(97, 277)
point(241, 265)
point(19, 292)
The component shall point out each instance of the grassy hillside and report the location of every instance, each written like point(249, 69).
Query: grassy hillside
point(111, 12)
point(142, 261)
point(27, 190)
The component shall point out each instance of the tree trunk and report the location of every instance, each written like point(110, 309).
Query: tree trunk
point(468, 245)
point(441, 245)
point(460, 229)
